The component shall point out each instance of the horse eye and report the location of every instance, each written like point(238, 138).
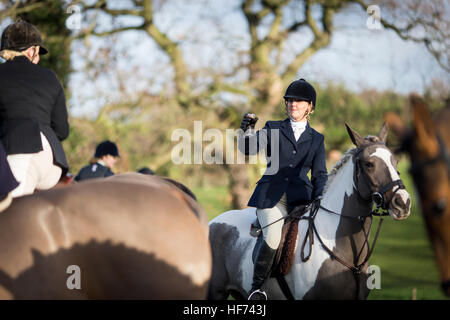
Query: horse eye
point(369, 165)
point(439, 207)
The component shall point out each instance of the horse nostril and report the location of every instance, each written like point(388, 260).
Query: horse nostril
point(399, 203)
point(439, 207)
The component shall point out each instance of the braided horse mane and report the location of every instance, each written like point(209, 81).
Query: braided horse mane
point(333, 172)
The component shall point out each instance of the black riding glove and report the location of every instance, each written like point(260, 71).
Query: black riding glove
point(249, 120)
point(316, 201)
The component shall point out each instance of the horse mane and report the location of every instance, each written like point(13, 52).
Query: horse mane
point(333, 172)
point(347, 155)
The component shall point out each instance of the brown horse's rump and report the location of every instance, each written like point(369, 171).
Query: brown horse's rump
point(131, 237)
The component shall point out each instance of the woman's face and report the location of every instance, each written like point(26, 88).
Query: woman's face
point(109, 161)
point(298, 110)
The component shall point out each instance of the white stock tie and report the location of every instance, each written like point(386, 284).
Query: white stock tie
point(298, 128)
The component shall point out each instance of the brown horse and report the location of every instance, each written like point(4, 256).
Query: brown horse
point(428, 145)
point(130, 236)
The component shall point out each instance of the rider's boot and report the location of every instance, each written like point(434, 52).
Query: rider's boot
point(263, 264)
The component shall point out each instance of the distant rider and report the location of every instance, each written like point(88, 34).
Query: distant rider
point(105, 157)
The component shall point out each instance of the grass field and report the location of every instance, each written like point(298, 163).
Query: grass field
point(402, 252)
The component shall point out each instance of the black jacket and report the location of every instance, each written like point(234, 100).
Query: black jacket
point(7, 180)
point(32, 101)
point(94, 170)
point(289, 173)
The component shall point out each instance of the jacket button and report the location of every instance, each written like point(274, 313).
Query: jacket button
point(294, 152)
point(286, 179)
point(291, 165)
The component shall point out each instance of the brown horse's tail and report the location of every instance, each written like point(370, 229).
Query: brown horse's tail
point(6, 282)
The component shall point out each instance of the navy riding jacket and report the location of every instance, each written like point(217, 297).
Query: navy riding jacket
point(287, 170)
point(94, 170)
point(32, 101)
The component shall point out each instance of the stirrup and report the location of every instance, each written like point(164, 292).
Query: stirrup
point(260, 292)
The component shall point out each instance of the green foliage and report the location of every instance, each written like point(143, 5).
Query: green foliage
point(363, 112)
point(214, 200)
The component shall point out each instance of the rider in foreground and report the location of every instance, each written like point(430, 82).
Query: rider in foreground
point(301, 149)
point(33, 113)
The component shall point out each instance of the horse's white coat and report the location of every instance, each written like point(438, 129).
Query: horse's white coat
point(302, 275)
point(241, 219)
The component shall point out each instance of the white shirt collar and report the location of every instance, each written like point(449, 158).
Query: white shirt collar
point(298, 124)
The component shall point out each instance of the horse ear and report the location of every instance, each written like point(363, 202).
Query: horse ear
point(395, 124)
point(356, 138)
point(424, 130)
point(383, 132)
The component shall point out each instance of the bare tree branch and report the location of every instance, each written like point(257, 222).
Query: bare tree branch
point(18, 8)
point(171, 48)
point(441, 56)
point(321, 40)
point(90, 32)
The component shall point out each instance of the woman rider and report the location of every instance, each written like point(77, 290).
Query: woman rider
point(100, 166)
point(33, 113)
point(300, 150)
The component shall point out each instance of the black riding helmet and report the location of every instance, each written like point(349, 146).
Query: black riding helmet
point(301, 90)
point(106, 148)
point(21, 35)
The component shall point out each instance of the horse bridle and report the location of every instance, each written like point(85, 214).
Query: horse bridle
point(443, 155)
point(378, 197)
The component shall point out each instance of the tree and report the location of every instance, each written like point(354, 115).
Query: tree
point(271, 25)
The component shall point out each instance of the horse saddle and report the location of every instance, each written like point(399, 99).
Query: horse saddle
point(285, 253)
